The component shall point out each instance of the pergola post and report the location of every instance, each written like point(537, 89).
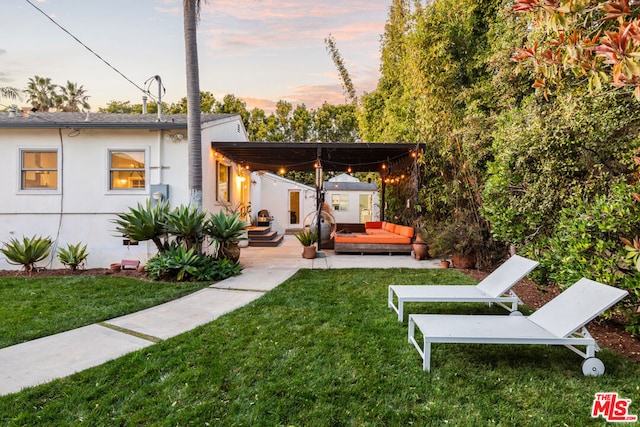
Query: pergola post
point(319, 182)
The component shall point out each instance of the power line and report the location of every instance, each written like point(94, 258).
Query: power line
point(90, 50)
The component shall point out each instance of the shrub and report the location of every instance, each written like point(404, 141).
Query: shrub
point(27, 252)
point(177, 263)
point(73, 256)
point(146, 222)
point(586, 243)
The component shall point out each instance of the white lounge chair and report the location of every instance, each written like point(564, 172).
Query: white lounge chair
point(495, 288)
point(555, 323)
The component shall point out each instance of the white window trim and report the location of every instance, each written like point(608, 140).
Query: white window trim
point(41, 191)
point(229, 182)
point(107, 175)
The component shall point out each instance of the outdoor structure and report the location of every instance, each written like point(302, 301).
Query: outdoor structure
point(287, 201)
point(67, 175)
point(352, 201)
point(388, 159)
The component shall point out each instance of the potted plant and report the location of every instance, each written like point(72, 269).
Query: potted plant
point(227, 231)
point(459, 240)
point(420, 247)
point(307, 238)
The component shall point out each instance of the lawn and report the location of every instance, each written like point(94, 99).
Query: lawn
point(324, 349)
point(35, 307)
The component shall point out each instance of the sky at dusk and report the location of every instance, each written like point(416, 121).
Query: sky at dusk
point(261, 51)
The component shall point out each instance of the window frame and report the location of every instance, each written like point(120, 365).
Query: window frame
point(22, 169)
point(342, 202)
point(145, 169)
point(227, 168)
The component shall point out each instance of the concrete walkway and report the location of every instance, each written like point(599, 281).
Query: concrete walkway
point(42, 360)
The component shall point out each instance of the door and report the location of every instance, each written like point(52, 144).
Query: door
point(294, 207)
point(365, 208)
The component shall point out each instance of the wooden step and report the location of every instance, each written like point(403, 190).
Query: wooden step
point(266, 236)
point(273, 242)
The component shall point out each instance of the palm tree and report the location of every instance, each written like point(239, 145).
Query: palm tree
point(191, 11)
point(41, 93)
point(72, 97)
point(9, 92)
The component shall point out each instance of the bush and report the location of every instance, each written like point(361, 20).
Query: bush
point(586, 243)
point(73, 256)
point(182, 265)
point(27, 252)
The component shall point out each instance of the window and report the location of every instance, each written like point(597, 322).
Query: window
point(222, 184)
point(340, 202)
point(126, 170)
point(39, 170)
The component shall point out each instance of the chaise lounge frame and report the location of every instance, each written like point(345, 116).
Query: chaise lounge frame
point(495, 288)
point(559, 322)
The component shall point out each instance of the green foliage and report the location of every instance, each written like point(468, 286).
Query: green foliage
point(186, 224)
point(73, 256)
point(28, 252)
point(586, 243)
point(457, 237)
point(547, 153)
point(307, 237)
point(226, 229)
point(146, 222)
point(181, 265)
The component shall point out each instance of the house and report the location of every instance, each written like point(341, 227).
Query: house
point(287, 201)
point(352, 201)
point(67, 175)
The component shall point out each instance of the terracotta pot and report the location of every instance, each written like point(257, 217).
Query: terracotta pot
point(444, 263)
point(309, 252)
point(114, 267)
point(420, 250)
point(231, 252)
point(463, 261)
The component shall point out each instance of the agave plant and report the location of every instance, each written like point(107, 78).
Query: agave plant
point(28, 252)
point(73, 256)
point(187, 225)
point(226, 231)
point(147, 222)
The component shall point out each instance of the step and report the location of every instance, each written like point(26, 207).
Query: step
point(267, 243)
point(267, 236)
point(257, 231)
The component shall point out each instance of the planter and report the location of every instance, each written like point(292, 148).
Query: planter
point(231, 252)
point(420, 250)
point(463, 261)
point(444, 263)
point(309, 252)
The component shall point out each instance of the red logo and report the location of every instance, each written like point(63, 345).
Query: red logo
point(612, 408)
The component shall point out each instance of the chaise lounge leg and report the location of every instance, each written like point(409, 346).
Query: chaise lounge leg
point(426, 360)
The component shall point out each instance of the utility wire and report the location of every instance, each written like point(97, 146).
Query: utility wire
point(89, 49)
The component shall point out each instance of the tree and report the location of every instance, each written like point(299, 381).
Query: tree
point(345, 78)
point(191, 12)
point(41, 93)
point(72, 97)
point(9, 92)
point(577, 42)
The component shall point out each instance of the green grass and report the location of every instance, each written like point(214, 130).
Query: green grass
point(323, 349)
point(35, 307)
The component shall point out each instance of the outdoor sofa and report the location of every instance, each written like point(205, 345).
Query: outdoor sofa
point(379, 237)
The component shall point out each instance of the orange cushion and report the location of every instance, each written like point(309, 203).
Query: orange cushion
point(373, 238)
point(373, 224)
point(404, 230)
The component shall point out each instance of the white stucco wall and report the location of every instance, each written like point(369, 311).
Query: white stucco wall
point(271, 192)
point(82, 208)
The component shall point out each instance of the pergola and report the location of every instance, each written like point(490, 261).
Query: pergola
point(281, 157)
